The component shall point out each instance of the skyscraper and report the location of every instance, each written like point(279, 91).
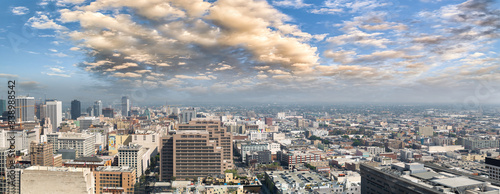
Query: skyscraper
point(76, 109)
point(97, 108)
point(90, 111)
point(3, 106)
point(54, 112)
point(125, 106)
point(108, 112)
point(25, 108)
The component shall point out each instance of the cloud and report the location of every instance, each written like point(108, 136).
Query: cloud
point(30, 86)
point(20, 10)
point(4, 75)
point(43, 22)
point(57, 71)
point(326, 11)
point(291, 3)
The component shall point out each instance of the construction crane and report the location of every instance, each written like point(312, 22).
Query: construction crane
point(21, 114)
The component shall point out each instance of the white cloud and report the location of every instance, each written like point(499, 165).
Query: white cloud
point(20, 10)
point(43, 22)
point(291, 3)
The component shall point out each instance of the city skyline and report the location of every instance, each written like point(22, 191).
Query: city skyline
point(253, 51)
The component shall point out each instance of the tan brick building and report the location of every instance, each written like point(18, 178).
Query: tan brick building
point(114, 179)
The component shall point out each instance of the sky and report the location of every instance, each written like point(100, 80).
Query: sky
point(296, 51)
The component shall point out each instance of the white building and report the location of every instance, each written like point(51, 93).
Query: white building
point(53, 111)
point(86, 122)
point(25, 108)
point(150, 139)
point(81, 142)
point(45, 179)
point(133, 156)
point(187, 115)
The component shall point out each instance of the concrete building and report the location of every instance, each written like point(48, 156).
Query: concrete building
point(114, 179)
point(5, 180)
point(108, 112)
point(86, 122)
point(426, 131)
point(132, 156)
point(82, 143)
point(125, 106)
point(25, 109)
point(54, 113)
point(150, 140)
point(492, 165)
point(56, 180)
point(41, 154)
point(76, 109)
point(97, 108)
point(252, 147)
point(474, 143)
point(217, 133)
point(190, 154)
point(414, 178)
point(292, 159)
point(187, 115)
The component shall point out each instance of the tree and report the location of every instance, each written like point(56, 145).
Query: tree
point(356, 142)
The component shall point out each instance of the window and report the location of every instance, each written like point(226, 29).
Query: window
point(144, 137)
point(153, 138)
point(135, 137)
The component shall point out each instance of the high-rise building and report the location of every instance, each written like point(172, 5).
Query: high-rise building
point(218, 133)
point(190, 154)
point(3, 106)
point(8, 176)
point(269, 121)
point(81, 142)
point(132, 156)
point(187, 115)
point(114, 179)
point(25, 108)
point(76, 109)
point(90, 111)
point(97, 108)
point(492, 165)
point(41, 154)
point(54, 113)
point(108, 112)
point(125, 106)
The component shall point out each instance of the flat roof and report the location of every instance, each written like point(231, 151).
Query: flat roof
point(425, 175)
point(457, 182)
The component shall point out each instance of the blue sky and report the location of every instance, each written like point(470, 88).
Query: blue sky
point(253, 51)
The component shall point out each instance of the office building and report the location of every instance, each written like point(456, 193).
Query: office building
point(492, 165)
point(82, 143)
point(293, 158)
point(474, 143)
point(44, 179)
point(41, 154)
point(97, 108)
point(3, 106)
point(114, 179)
point(269, 121)
point(25, 108)
point(187, 115)
point(189, 154)
point(76, 109)
point(54, 113)
point(414, 178)
point(108, 112)
point(86, 122)
point(132, 156)
point(90, 111)
point(252, 147)
point(5, 187)
point(218, 133)
point(125, 106)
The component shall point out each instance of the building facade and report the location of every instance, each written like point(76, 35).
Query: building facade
point(25, 108)
point(76, 109)
point(41, 154)
point(125, 106)
point(82, 143)
point(114, 179)
point(54, 113)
